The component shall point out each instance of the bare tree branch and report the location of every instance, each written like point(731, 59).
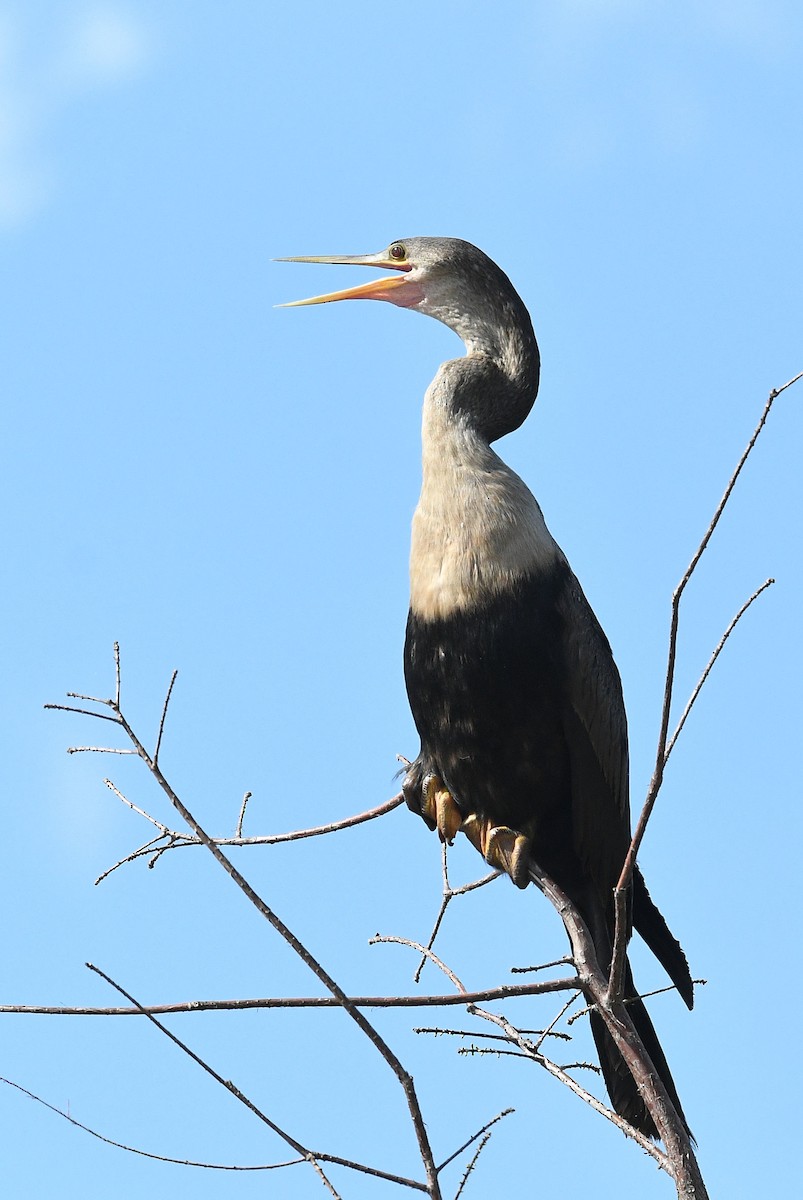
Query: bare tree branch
point(404, 1078)
point(661, 753)
point(550, 1029)
point(679, 1160)
point(472, 1164)
point(504, 991)
point(292, 1142)
point(461, 1149)
point(621, 930)
point(182, 1162)
point(661, 991)
point(238, 833)
point(392, 940)
point(714, 656)
point(173, 840)
point(490, 1037)
point(163, 717)
point(308, 1155)
point(485, 1135)
point(448, 894)
point(556, 962)
point(529, 1051)
point(87, 712)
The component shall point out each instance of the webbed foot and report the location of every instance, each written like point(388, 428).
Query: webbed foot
point(505, 849)
point(427, 795)
point(440, 807)
point(501, 847)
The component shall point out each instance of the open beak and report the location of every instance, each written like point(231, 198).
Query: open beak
point(397, 289)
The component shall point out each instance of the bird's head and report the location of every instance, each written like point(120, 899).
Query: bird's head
point(445, 278)
point(458, 284)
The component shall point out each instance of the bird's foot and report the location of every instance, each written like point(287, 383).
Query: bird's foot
point(439, 807)
point(501, 847)
point(505, 849)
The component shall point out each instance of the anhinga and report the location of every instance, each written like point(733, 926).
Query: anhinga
point(511, 680)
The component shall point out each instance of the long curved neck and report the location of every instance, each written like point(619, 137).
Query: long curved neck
point(477, 529)
point(494, 387)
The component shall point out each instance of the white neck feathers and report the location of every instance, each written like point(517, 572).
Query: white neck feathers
point(477, 529)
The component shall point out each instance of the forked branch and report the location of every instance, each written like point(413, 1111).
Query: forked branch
point(665, 745)
point(662, 752)
point(431, 1185)
point(678, 1158)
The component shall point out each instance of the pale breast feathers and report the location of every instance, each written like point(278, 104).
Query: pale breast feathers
point(477, 529)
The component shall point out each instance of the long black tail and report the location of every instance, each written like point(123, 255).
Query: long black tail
point(655, 932)
point(625, 1096)
point(622, 1089)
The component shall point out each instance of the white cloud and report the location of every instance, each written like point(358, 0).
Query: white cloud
point(106, 45)
point(99, 47)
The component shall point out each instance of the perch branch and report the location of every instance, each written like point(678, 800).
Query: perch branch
point(679, 1160)
point(174, 840)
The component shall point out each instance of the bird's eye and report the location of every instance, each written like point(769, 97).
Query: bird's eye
point(398, 252)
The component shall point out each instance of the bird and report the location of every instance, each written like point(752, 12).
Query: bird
point(511, 680)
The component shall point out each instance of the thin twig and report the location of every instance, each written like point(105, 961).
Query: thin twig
point(558, 1017)
point(146, 849)
point(491, 1052)
point(556, 962)
point(448, 894)
point(621, 934)
point(205, 1066)
point(117, 676)
point(506, 1112)
point(719, 648)
point(390, 939)
point(99, 749)
point(182, 1162)
point(471, 1165)
point(135, 808)
point(238, 833)
point(163, 717)
point(491, 1037)
point(583, 1012)
point(494, 1052)
point(86, 712)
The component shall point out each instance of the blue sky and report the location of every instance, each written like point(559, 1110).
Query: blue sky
point(226, 488)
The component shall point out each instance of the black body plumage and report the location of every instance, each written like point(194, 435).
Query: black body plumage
point(484, 688)
point(489, 695)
